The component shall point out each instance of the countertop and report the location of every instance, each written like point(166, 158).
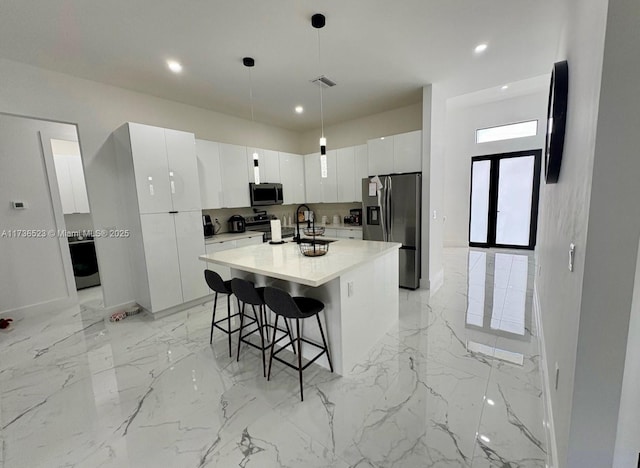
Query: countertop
point(287, 263)
point(229, 236)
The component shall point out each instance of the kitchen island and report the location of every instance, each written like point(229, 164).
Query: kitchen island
point(357, 281)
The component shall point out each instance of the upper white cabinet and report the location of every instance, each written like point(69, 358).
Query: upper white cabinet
point(362, 168)
point(330, 183)
point(165, 169)
point(395, 154)
point(71, 184)
point(292, 177)
point(380, 153)
point(208, 153)
point(151, 168)
point(407, 152)
point(321, 189)
point(269, 164)
point(234, 173)
point(183, 170)
point(312, 179)
point(346, 174)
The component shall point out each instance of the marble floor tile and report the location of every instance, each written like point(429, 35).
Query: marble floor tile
point(78, 390)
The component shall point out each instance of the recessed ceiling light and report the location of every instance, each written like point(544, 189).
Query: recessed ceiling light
point(299, 109)
point(480, 48)
point(382, 138)
point(174, 66)
point(490, 402)
point(484, 438)
point(504, 87)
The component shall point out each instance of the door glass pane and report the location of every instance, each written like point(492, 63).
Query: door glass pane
point(515, 190)
point(481, 171)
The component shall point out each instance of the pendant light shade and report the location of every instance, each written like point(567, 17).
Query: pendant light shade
point(249, 62)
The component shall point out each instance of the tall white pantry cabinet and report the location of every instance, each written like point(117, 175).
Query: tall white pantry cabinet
point(160, 190)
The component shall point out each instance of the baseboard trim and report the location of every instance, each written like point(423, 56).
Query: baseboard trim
point(550, 432)
point(41, 307)
point(179, 308)
point(437, 282)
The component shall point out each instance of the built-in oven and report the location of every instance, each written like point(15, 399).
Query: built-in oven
point(265, 194)
point(84, 262)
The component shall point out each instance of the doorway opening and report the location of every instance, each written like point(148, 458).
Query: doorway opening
point(505, 189)
point(72, 187)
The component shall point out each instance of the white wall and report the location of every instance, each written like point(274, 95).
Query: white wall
point(564, 209)
point(358, 131)
point(99, 109)
point(628, 432)
point(32, 270)
point(610, 256)
point(464, 116)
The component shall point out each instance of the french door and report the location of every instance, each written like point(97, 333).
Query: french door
point(504, 200)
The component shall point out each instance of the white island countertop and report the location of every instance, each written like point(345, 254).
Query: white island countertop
point(286, 262)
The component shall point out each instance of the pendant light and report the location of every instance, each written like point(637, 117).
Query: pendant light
point(318, 21)
point(249, 63)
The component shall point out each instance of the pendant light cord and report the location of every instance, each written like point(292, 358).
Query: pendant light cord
point(321, 107)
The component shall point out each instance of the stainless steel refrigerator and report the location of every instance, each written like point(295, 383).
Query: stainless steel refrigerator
point(391, 212)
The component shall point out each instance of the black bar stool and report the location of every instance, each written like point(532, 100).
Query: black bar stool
point(246, 292)
point(296, 308)
point(219, 286)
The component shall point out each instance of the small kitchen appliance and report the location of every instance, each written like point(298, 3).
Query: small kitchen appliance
point(207, 226)
point(237, 224)
point(356, 216)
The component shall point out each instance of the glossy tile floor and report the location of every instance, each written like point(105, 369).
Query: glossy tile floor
point(455, 384)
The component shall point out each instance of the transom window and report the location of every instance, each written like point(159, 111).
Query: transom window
point(507, 132)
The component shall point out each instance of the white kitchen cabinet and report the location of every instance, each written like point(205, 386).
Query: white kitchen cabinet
point(183, 170)
point(407, 152)
point(349, 234)
point(151, 167)
point(321, 189)
point(312, 179)
point(362, 169)
point(71, 184)
point(346, 174)
point(269, 165)
point(208, 155)
point(234, 174)
point(330, 183)
point(190, 244)
point(158, 175)
point(162, 265)
point(395, 154)
point(292, 177)
point(380, 155)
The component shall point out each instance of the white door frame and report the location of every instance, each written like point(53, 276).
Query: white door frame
point(56, 203)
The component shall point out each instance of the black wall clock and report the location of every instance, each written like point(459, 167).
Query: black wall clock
point(556, 121)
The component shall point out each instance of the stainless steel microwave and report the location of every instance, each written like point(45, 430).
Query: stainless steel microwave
point(265, 194)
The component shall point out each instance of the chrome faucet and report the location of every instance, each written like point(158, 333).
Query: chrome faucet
point(298, 238)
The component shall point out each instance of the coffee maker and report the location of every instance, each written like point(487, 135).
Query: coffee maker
point(356, 216)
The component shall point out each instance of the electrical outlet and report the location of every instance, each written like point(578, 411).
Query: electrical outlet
point(350, 288)
point(557, 375)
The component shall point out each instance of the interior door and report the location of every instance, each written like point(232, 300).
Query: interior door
point(504, 200)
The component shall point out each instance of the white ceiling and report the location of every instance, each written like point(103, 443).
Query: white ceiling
point(381, 53)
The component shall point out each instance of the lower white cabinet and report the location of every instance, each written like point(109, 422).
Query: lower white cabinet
point(162, 264)
point(172, 243)
point(190, 243)
point(349, 234)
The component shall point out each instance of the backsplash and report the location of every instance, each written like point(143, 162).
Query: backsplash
point(283, 212)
